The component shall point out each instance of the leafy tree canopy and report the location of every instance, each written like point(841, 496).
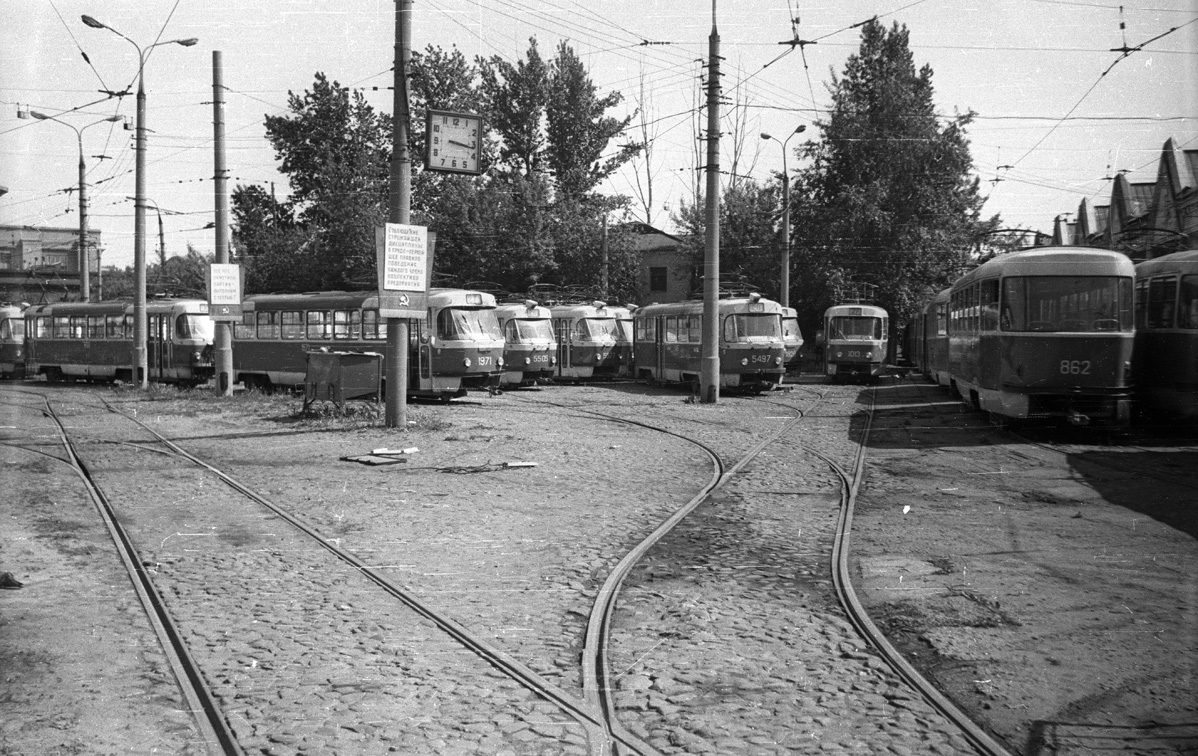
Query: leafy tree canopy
point(887, 197)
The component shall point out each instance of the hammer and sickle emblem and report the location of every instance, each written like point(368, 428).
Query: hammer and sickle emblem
point(403, 300)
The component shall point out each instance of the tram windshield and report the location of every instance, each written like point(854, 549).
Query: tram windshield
point(12, 328)
point(1065, 304)
point(527, 331)
point(624, 331)
point(845, 328)
point(752, 327)
point(596, 329)
point(790, 330)
point(460, 324)
point(200, 327)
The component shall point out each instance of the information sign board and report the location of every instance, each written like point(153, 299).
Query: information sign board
point(224, 291)
point(403, 269)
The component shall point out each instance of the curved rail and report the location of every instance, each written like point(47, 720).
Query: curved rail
point(590, 719)
point(842, 579)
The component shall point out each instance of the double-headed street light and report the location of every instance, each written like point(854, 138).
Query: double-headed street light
point(84, 262)
point(140, 365)
point(785, 283)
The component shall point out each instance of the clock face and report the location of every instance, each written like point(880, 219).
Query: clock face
point(454, 142)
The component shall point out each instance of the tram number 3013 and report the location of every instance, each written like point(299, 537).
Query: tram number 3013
point(1075, 367)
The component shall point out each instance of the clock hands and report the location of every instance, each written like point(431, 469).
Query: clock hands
point(460, 144)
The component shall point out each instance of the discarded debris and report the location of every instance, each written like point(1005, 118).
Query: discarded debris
point(385, 451)
point(374, 459)
point(8, 581)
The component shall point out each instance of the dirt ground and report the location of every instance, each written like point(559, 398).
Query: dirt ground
point(1052, 591)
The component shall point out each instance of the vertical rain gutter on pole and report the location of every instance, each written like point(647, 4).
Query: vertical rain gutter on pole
point(709, 369)
point(400, 212)
point(222, 343)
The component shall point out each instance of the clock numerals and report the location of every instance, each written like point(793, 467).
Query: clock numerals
point(453, 142)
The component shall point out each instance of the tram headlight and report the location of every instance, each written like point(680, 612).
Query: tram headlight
point(528, 360)
point(744, 361)
point(467, 362)
point(777, 360)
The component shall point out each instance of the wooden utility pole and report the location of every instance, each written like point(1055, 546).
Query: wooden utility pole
point(709, 363)
point(400, 212)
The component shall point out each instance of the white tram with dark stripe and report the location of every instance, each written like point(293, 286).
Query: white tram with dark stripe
point(752, 352)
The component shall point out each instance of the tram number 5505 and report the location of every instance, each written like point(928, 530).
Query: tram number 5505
point(1075, 367)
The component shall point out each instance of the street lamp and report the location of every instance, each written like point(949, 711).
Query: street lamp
point(140, 365)
point(84, 262)
point(785, 284)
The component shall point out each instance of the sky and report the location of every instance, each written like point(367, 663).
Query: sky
point(1059, 109)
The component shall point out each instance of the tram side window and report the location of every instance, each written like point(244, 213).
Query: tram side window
point(291, 324)
point(670, 330)
point(942, 319)
point(646, 330)
point(95, 326)
point(1141, 303)
point(268, 325)
point(245, 329)
point(347, 324)
point(320, 324)
point(1162, 301)
point(114, 326)
point(989, 301)
point(78, 326)
point(1188, 302)
point(370, 325)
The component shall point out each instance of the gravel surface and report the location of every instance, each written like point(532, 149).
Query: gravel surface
point(1050, 591)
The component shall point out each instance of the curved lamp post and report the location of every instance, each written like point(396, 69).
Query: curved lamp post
point(140, 366)
point(785, 283)
point(84, 263)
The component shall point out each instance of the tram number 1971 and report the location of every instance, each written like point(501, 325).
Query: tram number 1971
point(1075, 367)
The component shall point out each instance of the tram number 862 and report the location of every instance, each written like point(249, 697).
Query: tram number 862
point(1075, 367)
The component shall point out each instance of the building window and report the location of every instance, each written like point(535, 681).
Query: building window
point(658, 280)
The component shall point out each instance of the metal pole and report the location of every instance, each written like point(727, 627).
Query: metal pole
point(85, 287)
point(785, 283)
point(400, 211)
point(709, 364)
point(140, 364)
point(222, 341)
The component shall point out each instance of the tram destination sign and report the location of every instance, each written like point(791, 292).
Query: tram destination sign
point(224, 291)
point(404, 264)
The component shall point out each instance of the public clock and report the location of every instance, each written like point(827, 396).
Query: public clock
point(454, 142)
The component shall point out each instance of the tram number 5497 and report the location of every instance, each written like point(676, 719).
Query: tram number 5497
point(1075, 367)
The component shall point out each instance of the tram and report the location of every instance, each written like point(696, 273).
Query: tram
point(12, 340)
point(1045, 333)
point(456, 347)
point(588, 341)
point(792, 337)
point(93, 341)
point(856, 341)
point(1166, 320)
point(530, 349)
point(751, 349)
point(927, 339)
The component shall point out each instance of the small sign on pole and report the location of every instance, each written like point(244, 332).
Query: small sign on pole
point(224, 291)
point(403, 267)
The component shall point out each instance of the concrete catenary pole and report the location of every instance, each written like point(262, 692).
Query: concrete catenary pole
point(400, 212)
point(222, 341)
point(709, 364)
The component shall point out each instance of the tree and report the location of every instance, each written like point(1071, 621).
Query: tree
point(514, 99)
point(748, 240)
point(888, 197)
point(335, 150)
point(578, 129)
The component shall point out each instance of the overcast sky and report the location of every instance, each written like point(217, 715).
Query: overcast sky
point(1053, 102)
